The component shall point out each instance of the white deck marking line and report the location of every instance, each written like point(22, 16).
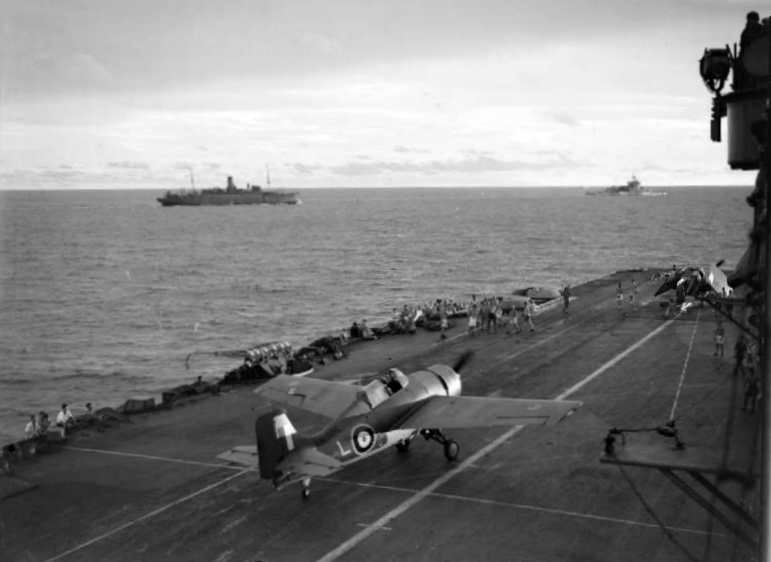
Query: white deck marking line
point(520, 506)
point(408, 503)
point(154, 458)
point(428, 490)
point(380, 528)
point(613, 361)
point(536, 344)
point(548, 339)
point(685, 367)
point(148, 515)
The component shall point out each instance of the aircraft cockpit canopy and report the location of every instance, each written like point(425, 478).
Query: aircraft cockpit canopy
point(380, 389)
point(395, 380)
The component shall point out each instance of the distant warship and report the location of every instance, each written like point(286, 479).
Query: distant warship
point(231, 195)
point(632, 187)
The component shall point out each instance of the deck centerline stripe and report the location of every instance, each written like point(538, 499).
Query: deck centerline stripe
point(535, 344)
point(583, 382)
point(153, 457)
point(685, 368)
point(428, 490)
point(596, 310)
point(148, 515)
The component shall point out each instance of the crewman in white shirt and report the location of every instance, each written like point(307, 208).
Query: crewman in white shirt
point(32, 429)
point(64, 417)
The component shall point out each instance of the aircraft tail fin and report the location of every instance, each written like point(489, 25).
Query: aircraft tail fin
point(275, 440)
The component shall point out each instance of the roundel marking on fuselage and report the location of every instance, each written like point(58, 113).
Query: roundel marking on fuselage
point(363, 439)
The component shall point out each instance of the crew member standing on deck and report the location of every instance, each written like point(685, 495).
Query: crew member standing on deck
point(472, 319)
point(633, 292)
point(514, 320)
point(443, 322)
point(619, 295)
point(719, 339)
point(740, 351)
point(565, 299)
point(751, 389)
point(529, 311)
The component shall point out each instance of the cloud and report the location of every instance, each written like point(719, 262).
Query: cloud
point(321, 43)
point(565, 119)
point(51, 178)
point(304, 168)
point(55, 70)
point(408, 150)
point(129, 165)
point(480, 163)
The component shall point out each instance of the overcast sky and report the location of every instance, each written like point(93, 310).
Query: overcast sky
point(327, 93)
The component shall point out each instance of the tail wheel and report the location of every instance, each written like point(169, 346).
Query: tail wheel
point(451, 450)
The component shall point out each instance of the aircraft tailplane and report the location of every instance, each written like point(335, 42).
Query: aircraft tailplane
point(275, 440)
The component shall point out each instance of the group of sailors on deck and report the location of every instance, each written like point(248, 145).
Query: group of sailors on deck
point(39, 424)
point(489, 314)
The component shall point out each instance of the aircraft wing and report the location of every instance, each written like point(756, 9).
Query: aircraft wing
point(245, 455)
point(457, 412)
point(309, 462)
point(326, 398)
point(718, 280)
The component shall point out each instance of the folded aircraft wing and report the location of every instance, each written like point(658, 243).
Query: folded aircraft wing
point(456, 412)
point(326, 398)
point(718, 280)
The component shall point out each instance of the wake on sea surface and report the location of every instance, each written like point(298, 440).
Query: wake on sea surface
point(105, 293)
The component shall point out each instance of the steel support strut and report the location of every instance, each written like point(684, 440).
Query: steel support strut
point(435, 434)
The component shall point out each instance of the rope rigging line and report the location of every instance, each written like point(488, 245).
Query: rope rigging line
point(723, 468)
point(749, 480)
point(670, 535)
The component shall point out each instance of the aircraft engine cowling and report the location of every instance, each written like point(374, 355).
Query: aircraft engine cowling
point(448, 379)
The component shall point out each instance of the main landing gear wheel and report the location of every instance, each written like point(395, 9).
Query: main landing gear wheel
point(306, 493)
point(451, 449)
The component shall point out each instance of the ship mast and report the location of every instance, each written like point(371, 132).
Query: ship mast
point(192, 181)
point(267, 173)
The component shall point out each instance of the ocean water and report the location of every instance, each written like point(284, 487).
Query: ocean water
point(104, 293)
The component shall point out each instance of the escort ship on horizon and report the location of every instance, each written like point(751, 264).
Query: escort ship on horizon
point(231, 195)
point(632, 187)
